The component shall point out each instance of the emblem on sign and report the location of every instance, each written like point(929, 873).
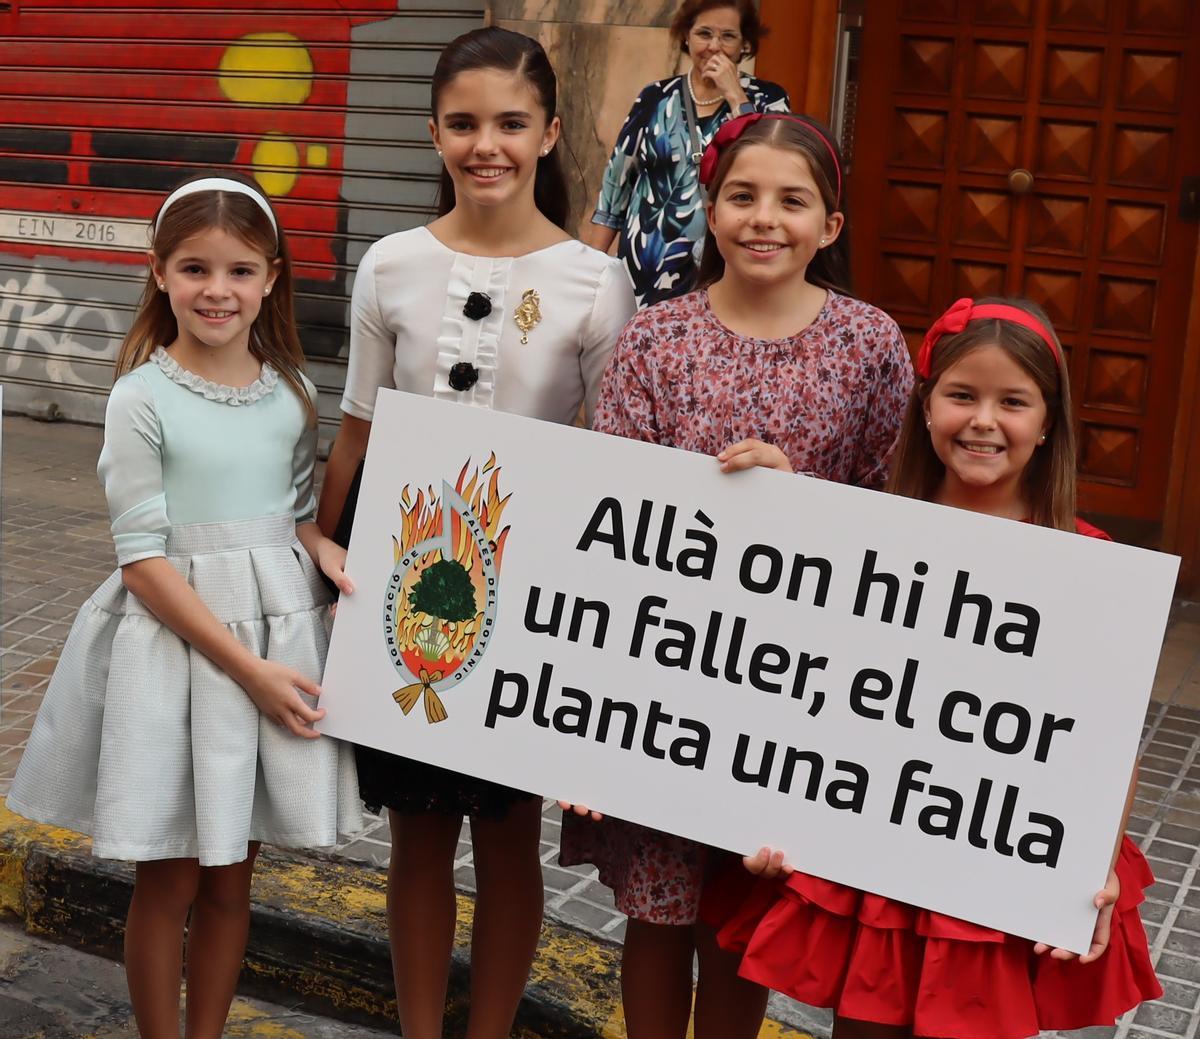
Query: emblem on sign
point(440, 603)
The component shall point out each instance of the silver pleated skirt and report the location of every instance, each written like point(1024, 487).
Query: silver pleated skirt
point(147, 746)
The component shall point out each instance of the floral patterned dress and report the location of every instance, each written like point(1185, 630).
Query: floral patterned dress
point(831, 397)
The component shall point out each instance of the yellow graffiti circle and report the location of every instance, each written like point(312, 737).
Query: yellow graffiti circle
point(276, 163)
point(267, 68)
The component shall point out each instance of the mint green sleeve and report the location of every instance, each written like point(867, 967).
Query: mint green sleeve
point(304, 465)
point(131, 470)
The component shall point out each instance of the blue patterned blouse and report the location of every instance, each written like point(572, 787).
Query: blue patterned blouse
point(651, 188)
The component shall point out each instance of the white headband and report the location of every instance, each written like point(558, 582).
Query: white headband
point(217, 184)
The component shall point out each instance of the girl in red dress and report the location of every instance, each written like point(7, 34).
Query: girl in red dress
point(988, 428)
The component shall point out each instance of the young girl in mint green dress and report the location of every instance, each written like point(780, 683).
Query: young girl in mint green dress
point(177, 729)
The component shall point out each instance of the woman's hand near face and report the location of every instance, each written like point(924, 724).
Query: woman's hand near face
point(723, 74)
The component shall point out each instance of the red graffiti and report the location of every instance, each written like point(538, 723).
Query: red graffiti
point(106, 108)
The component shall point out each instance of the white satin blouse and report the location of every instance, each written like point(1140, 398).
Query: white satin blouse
point(408, 329)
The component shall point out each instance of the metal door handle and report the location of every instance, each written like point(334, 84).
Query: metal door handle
point(1020, 181)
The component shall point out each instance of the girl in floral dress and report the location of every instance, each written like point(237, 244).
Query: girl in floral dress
point(768, 363)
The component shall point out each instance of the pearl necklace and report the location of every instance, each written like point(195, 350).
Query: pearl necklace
point(695, 100)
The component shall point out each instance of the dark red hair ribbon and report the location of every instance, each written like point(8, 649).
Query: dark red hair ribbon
point(961, 312)
point(734, 128)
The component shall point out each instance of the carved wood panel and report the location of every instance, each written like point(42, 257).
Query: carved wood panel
point(1058, 292)
point(1066, 150)
point(1078, 14)
point(998, 70)
point(906, 282)
point(992, 143)
point(1163, 16)
point(921, 10)
point(1003, 12)
point(920, 137)
point(1074, 76)
point(1141, 157)
point(978, 279)
point(912, 211)
point(1093, 98)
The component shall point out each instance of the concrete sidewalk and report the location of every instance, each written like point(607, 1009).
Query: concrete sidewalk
point(57, 548)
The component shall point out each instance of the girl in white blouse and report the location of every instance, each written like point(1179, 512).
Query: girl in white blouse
point(492, 305)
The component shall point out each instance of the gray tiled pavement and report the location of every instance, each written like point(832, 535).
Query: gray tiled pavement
point(56, 549)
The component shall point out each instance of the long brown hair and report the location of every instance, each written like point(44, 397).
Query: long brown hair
point(830, 268)
point(1049, 478)
point(274, 338)
point(494, 48)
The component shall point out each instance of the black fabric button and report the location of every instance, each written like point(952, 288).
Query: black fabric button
point(478, 306)
point(463, 376)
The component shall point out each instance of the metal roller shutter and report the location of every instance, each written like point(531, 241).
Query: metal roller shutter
point(104, 106)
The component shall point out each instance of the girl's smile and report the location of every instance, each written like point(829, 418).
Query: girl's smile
point(768, 218)
point(764, 247)
point(986, 417)
point(216, 284)
point(491, 129)
point(489, 172)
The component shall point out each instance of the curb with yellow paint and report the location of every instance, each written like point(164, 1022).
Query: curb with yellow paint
point(318, 934)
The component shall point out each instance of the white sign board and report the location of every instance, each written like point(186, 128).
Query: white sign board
point(918, 701)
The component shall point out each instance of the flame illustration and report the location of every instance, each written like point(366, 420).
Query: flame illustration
point(421, 520)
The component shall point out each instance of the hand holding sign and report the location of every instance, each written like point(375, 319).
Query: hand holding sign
point(746, 454)
point(583, 810)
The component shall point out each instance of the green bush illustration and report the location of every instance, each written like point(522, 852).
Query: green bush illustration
point(444, 591)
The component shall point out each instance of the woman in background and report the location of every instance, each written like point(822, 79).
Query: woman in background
point(650, 199)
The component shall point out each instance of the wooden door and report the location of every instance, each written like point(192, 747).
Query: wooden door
point(1089, 107)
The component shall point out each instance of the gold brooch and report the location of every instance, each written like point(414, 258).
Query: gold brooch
point(528, 313)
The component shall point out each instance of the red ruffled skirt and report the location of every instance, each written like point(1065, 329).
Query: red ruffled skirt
point(869, 958)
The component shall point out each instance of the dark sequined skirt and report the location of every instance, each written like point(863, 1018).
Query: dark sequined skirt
point(411, 787)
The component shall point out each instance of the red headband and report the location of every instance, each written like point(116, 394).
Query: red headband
point(964, 310)
point(734, 129)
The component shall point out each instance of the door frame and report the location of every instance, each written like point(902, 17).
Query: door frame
point(799, 51)
point(1181, 522)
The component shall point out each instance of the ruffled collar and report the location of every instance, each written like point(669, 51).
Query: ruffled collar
point(235, 396)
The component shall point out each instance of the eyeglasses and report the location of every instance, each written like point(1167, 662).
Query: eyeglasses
point(705, 35)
